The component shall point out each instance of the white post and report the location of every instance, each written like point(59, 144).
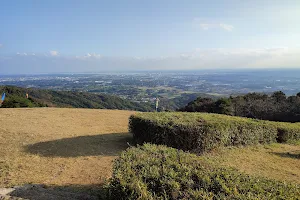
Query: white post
point(156, 104)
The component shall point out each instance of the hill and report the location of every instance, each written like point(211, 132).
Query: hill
point(16, 97)
point(67, 149)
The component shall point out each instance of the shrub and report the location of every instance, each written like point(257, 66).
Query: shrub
point(199, 132)
point(159, 172)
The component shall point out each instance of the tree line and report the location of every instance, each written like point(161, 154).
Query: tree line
point(274, 107)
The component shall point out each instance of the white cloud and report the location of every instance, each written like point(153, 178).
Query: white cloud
point(22, 54)
point(90, 56)
point(207, 25)
point(93, 55)
point(218, 58)
point(53, 53)
point(243, 58)
point(26, 54)
point(226, 27)
point(185, 56)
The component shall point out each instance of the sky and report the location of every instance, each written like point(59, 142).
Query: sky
point(93, 36)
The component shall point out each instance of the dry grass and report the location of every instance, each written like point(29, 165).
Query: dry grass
point(57, 146)
point(275, 161)
point(60, 146)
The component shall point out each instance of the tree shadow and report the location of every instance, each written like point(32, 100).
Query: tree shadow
point(92, 145)
point(69, 192)
point(293, 154)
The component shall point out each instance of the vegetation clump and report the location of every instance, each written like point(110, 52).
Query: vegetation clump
point(16, 97)
point(275, 107)
point(15, 101)
point(200, 132)
point(159, 172)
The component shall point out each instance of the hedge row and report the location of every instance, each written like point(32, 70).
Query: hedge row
point(158, 172)
point(200, 132)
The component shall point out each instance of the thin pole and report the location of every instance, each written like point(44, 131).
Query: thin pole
point(156, 104)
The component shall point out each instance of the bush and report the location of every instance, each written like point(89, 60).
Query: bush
point(159, 172)
point(199, 132)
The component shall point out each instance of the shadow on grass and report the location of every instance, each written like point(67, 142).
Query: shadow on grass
point(70, 192)
point(93, 145)
point(295, 155)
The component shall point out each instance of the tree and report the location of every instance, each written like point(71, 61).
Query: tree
point(200, 105)
point(279, 96)
point(223, 106)
point(276, 107)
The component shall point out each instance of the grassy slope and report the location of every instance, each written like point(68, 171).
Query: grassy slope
point(76, 147)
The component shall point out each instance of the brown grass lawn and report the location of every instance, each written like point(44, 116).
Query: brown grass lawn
point(62, 147)
point(275, 161)
point(58, 146)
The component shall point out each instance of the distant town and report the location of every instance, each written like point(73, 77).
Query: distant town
point(146, 86)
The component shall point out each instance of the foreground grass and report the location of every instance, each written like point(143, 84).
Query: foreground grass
point(74, 149)
point(276, 161)
point(159, 172)
point(60, 146)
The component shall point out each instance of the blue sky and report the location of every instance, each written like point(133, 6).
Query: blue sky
point(82, 36)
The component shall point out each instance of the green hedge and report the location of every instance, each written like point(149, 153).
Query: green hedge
point(200, 132)
point(158, 172)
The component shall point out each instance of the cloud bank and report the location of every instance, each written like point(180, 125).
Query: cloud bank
point(193, 60)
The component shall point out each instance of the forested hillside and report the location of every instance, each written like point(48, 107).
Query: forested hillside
point(16, 97)
point(275, 107)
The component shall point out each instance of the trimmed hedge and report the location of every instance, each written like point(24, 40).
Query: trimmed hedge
point(200, 132)
point(159, 172)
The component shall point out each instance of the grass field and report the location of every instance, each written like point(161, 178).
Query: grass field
point(60, 146)
point(76, 147)
point(275, 161)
